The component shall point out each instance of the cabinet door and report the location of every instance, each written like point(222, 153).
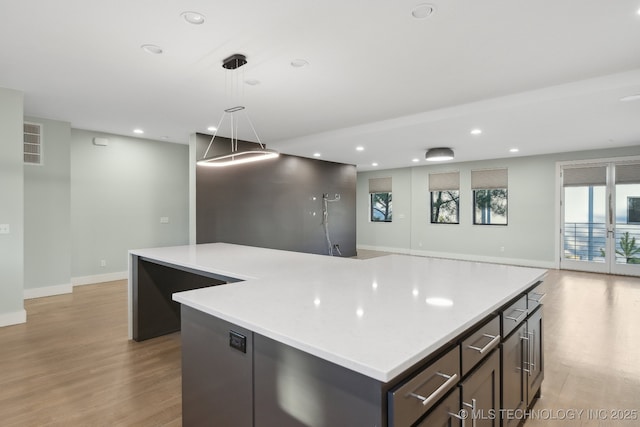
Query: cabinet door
point(481, 393)
point(536, 353)
point(446, 413)
point(514, 390)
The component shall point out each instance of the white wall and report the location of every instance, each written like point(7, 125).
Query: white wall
point(47, 214)
point(530, 238)
point(118, 195)
point(11, 208)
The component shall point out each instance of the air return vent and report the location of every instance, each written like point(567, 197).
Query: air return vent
point(33, 143)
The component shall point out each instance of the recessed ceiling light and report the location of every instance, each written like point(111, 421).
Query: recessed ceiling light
point(194, 18)
point(212, 128)
point(415, 160)
point(317, 154)
point(514, 150)
point(359, 148)
point(138, 131)
point(476, 131)
point(423, 11)
point(299, 63)
point(374, 164)
point(252, 82)
point(152, 49)
point(635, 97)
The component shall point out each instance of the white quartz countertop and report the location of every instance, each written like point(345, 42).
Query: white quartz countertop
point(377, 317)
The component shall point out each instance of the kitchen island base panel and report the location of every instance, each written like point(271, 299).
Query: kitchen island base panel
point(217, 379)
point(294, 388)
point(154, 312)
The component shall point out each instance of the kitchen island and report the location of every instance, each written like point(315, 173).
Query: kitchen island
point(297, 339)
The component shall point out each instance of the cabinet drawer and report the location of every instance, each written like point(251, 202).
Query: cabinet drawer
point(534, 298)
point(414, 398)
point(479, 344)
point(445, 413)
point(513, 315)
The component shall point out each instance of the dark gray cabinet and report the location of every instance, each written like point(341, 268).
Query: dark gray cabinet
point(446, 413)
point(481, 393)
point(535, 373)
point(522, 358)
point(514, 394)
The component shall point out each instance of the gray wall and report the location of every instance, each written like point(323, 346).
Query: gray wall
point(118, 195)
point(11, 208)
point(530, 238)
point(276, 203)
point(47, 210)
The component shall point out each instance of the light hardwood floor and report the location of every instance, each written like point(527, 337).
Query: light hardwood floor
point(72, 364)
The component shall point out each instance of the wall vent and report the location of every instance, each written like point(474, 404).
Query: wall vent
point(32, 143)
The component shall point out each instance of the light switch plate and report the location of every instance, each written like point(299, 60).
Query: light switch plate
point(5, 229)
point(164, 220)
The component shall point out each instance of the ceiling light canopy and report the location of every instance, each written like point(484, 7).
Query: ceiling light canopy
point(439, 154)
point(236, 157)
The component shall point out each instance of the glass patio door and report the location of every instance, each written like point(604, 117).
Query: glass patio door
point(601, 218)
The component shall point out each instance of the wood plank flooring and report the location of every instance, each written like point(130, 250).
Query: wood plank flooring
point(72, 364)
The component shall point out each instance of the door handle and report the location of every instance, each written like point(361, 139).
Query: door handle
point(471, 405)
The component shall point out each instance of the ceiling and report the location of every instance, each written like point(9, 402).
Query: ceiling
point(544, 76)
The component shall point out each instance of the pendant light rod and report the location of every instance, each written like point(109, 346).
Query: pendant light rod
point(246, 154)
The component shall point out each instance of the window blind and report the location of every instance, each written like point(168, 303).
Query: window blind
point(380, 185)
point(584, 176)
point(444, 181)
point(628, 174)
point(489, 178)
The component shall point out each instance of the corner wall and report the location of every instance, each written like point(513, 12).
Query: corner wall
point(11, 208)
point(119, 193)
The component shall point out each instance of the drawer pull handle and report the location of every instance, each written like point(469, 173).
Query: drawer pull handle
point(495, 339)
point(433, 396)
point(538, 297)
point(519, 318)
point(460, 417)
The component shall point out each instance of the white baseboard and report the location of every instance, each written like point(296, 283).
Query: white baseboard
point(14, 318)
point(404, 251)
point(47, 291)
point(464, 257)
point(99, 278)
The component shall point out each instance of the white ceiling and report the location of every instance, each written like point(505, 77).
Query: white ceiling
point(543, 76)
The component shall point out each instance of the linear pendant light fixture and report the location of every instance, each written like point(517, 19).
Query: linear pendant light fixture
point(439, 154)
point(236, 157)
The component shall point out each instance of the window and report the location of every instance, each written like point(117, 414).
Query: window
point(445, 197)
point(381, 208)
point(32, 143)
point(489, 196)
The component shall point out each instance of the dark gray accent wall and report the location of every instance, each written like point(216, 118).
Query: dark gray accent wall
point(275, 203)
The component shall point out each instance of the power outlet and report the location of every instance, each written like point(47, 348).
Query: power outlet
point(238, 341)
point(5, 229)
point(164, 220)
point(103, 263)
